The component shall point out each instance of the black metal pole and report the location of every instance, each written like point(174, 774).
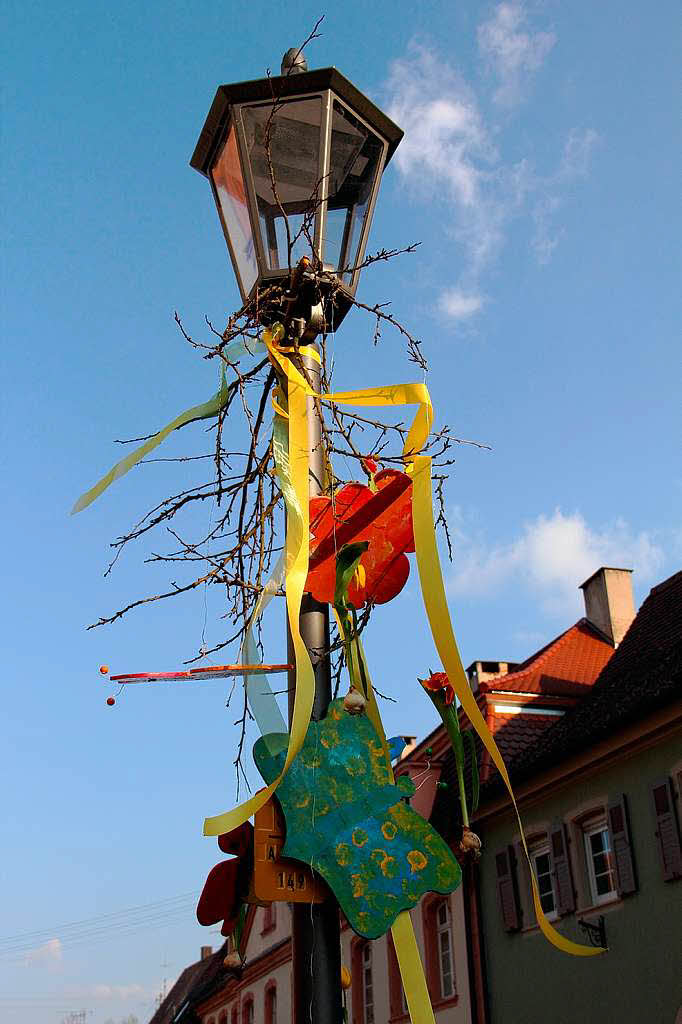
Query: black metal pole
point(316, 931)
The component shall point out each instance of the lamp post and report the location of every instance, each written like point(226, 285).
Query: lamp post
point(294, 163)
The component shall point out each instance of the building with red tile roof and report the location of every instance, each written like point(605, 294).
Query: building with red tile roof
point(595, 711)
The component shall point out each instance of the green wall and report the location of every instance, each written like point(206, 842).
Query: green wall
point(640, 978)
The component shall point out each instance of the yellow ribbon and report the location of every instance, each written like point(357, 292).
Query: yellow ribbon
point(433, 589)
point(297, 557)
point(433, 593)
point(406, 949)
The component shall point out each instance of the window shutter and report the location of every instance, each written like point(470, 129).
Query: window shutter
point(507, 894)
point(667, 831)
point(626, 879)
point(561, 867)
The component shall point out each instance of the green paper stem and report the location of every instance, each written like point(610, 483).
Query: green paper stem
point(451, 723)
point(448, 714)
point(347, 561)
point(475, 782)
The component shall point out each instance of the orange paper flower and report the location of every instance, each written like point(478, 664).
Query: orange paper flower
point(383, 518)
point(438, 681)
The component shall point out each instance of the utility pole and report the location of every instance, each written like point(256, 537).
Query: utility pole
point(316, 929)
point(164, 965)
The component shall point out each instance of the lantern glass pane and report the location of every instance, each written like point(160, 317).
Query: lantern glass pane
point(294, 144)
point(355, 160)
point(233, 206)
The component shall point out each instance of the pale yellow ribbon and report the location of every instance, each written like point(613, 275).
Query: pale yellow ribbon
point(297, 557)
point(433, 589)
point(435, 603)
point(405, 942)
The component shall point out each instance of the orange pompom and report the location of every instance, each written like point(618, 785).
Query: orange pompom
point(104, 670)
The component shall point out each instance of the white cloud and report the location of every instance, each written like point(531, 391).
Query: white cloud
point(448, 153)
point(458, 305)
point(106, 991)
point(49, 953)
point(545, 236)
point(574, 164)
point(512, 53)
point(552, 557)
point(575, 160)
point(115, 991)
point(444, 134)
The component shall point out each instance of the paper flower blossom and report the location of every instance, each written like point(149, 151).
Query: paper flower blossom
point(383, 518)
point(438, 682)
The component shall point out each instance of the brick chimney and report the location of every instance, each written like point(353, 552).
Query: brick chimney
point(482, 671)
point(609, 604)
point(206, 952)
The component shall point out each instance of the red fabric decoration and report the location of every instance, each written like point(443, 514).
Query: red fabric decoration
point(219, 899)
point(238, 841)
point(384, 518)
point(225, 888)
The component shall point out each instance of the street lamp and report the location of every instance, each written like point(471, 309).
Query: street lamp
point(295, 164)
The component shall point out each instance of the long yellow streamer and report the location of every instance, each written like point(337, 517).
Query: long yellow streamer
point(433, 591)
point(297, 557)
point(402, 929)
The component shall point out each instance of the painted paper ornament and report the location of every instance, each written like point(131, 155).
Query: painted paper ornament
point(352, 825)
point(226, 886)
point(382, 517)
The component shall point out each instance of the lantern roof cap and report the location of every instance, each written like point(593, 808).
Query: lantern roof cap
point(280, 87)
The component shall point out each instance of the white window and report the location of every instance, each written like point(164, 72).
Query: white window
point(600, 868)
point(542, 865)
point(367, 986)
point(444, 929)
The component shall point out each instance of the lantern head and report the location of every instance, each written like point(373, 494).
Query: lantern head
point(295, 163)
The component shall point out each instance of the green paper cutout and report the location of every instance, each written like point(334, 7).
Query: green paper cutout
point(352, 826)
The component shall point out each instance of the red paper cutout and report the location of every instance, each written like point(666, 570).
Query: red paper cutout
point(384, 518)
point(225, 888)
point(219, 898)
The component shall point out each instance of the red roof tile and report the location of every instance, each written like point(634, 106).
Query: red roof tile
point(566, 667)
point(513, 734)
point(644, 673)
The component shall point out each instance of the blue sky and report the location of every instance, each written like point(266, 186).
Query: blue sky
point(539, 169)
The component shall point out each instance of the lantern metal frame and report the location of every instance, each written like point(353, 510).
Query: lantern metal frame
point(330, 86)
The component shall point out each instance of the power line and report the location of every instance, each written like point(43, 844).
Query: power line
point(102, 938)
point(99, 917)
point(104, 927)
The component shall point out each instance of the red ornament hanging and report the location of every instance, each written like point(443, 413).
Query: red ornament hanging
point(383, 518)
point(226, 886)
